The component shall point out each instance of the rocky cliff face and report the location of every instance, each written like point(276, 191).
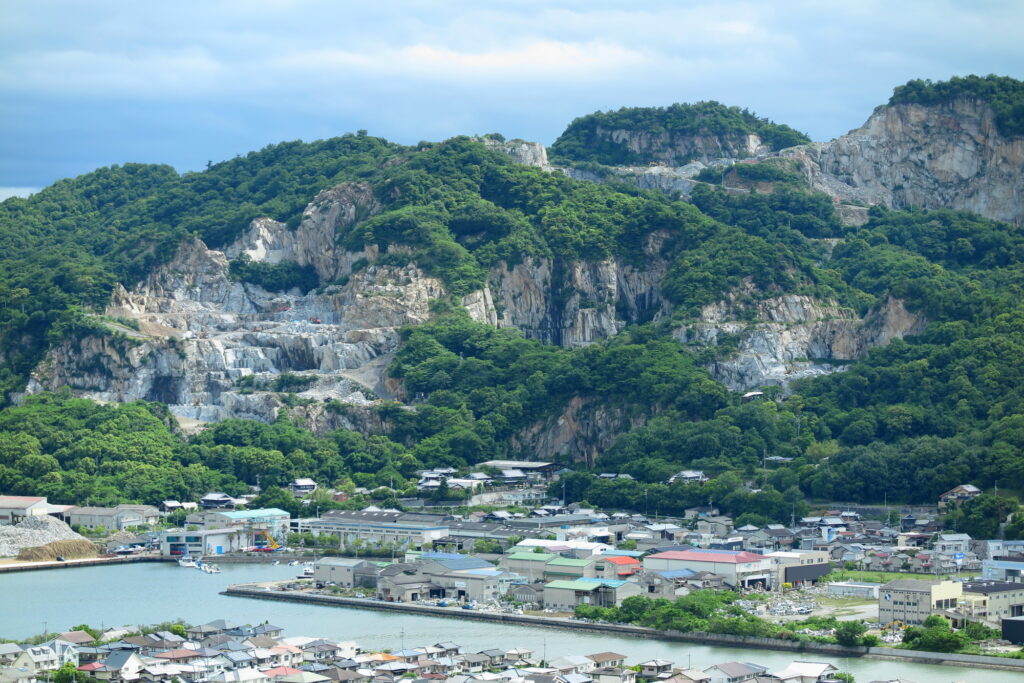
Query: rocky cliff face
point(793, 337)
point(679, 148)
point(942, 156)
point(579, 303)
point(200, 333)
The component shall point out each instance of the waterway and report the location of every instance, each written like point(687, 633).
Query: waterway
point(146, 593)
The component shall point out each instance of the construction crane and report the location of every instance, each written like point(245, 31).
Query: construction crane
point(269, 545)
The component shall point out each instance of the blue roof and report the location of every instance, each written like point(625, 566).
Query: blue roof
point(611, 583)
point(441, 556)
point(255, 514)
point(676, 573)
point(716, 551)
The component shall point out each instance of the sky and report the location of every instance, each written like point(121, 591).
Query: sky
point(90, 83)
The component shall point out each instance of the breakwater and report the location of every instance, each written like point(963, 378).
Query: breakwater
point(83, 562)
point(720, 639)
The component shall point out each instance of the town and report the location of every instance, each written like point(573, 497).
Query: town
point(223, 652)
point(522, 552)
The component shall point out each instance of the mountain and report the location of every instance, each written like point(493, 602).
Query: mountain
point(449, 303)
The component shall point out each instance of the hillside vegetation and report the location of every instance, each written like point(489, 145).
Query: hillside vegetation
point(587, 138)
point(910, 420)
point(1004, 94)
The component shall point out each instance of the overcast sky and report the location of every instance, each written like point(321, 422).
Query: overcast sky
point(91, 83)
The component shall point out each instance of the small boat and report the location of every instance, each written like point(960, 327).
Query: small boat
point(211, 569)
point(293, 563)
point(275, 563)
point(186, 561)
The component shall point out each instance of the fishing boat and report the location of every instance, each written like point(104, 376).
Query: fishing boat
point(186, 561)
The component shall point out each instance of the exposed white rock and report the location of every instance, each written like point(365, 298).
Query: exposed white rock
point(200, 331)
point(521, 151)
point(795, 336)
point(940, 156)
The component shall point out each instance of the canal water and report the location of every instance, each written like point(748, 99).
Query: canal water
point(146, 593)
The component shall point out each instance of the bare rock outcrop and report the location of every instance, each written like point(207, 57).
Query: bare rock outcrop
point(948, 155)
point(794, 336)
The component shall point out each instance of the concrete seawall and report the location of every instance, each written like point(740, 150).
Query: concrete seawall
point(721, 639)
point(85, 562)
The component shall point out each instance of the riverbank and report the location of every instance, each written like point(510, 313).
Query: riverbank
point(25, 566)
point(719, 639)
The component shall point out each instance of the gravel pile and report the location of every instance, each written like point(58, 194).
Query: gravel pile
point(33, 532)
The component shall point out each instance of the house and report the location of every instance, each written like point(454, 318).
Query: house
point(302, 487)
point(807, 672)
point(214, 627)
point(688, 477)
point(244, 675)
point(611, 674)
point(77, 637)
point(607, 659)
point(121, 665)
point(957, 495)
point(733, 672)
point(715, 526)
point(655, 668)
point(218, 499)
point(535, 471)
point(11, 674)
point(67, 653)
point(14, 509)
point(953, 543)
point(38, 659)
point(688, 676)
point(8, 653)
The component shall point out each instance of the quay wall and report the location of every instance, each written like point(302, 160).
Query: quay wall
point(84, 562)
point(722, 639)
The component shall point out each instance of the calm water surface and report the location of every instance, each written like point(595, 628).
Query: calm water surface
point(147, 593)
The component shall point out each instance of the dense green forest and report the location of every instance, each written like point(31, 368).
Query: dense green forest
point(905, 423)
point(1004, 94)
point(582, 142)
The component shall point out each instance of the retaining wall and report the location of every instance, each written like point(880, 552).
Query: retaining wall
point(723, 639)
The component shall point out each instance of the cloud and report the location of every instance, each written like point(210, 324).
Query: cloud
point(85, 84)
point(543, 60)
point(85, 72)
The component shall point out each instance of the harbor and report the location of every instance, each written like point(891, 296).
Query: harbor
point(142, 592)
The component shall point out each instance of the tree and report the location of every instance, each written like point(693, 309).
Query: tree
point(849, 632)
point(69, 674)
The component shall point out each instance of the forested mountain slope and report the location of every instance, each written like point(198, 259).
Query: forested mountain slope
point(444, 305)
